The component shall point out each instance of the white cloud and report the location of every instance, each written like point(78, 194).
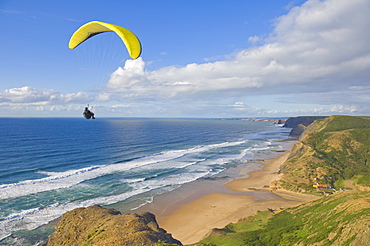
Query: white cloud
point(318, 55)
point(31, 96)
point(254, 39)
point(327, 111)
point(128, 76)
point(317, 47)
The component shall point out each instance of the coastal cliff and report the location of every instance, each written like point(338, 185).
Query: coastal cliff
point(300, 123)
point(330, 159)
point(303, 120)
point(96, 225)
point(329, 151)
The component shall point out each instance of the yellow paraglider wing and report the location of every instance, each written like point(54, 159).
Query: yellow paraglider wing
point(95, 27)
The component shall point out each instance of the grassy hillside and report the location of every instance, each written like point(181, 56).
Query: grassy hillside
point(329, 151)
point(339, 219)
point(333, 151)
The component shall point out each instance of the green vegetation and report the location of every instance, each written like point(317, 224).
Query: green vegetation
point(364, 180)
point(339, 219)
point(235, 234)
point(340, 123)
point(333, 151)
point(164, 243)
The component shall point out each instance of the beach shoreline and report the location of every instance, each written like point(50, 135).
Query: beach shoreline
point(192, 211)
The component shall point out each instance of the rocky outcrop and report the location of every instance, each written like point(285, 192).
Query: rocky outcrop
point(97, 226)
point(300, 123)
point(297, 131)
point(304, 120)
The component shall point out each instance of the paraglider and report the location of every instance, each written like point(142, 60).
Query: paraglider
point(93, 28)
point(88, 114)
point(96, 27)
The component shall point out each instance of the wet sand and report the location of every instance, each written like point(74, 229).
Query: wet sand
point(196, 208)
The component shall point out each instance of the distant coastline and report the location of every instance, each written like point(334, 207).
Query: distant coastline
point(275, 120)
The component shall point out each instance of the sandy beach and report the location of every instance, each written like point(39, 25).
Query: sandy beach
point(192, 216)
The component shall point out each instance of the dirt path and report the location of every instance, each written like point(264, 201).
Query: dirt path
point(348, 184)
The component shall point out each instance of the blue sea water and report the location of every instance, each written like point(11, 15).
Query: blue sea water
point(52, 165)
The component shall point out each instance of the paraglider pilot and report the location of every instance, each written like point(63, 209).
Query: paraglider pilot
point(88, 114)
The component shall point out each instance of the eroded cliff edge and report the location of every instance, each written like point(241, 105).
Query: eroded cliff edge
point(100, 226)
point(300, 123)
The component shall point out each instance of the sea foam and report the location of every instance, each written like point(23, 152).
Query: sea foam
point(35, 217)
point(73, 177)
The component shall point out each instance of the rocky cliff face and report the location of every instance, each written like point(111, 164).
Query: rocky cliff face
point(300, 123)
point(304, 120)
point(97, 226)
point(297, 131)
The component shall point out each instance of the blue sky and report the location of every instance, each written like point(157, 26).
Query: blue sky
point(200, 58)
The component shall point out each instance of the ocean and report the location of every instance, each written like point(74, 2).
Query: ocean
point(49, 166)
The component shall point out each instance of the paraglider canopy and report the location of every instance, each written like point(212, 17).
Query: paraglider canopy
point(95, 27)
